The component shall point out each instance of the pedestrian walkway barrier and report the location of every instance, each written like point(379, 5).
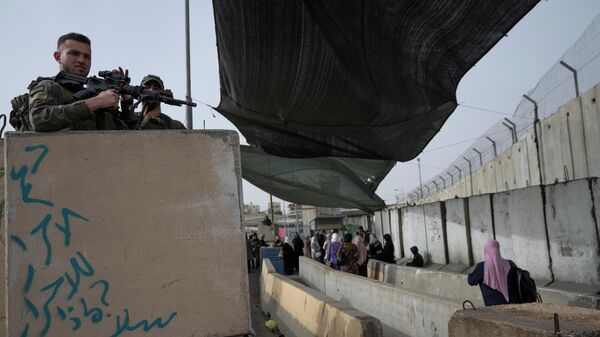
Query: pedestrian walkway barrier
point(307, 312)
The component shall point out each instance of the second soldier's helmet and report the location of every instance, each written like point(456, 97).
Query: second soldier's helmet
point(153, 78)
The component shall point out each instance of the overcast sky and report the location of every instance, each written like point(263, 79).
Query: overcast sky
point(148, 37)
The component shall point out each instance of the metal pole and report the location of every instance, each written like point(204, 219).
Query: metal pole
point(420, 180)
point(451, 178)
point(480, 158)
point(574, 71)
point(428, 191)
point(188, 112)
point(459, 172)
point(444, 180)
point(470, 174)
point(271, 211)
point(437, 189)
point(493, 145)
point(512, 127)
point(536, 140)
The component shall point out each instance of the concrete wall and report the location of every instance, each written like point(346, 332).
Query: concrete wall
point(573, 233)
point(556, 240)
point(455, 286)
point(307, 312)
point(401, 311)
point(568, 142)
point(482, 225)
point(457, 230)
point(436, 233)
point(118, 232)
point(396, 232)
point(520, 230)
point(413, 230)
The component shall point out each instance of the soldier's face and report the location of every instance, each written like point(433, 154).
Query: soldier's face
point(74, 57)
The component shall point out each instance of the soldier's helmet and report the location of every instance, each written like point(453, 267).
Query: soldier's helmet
point(153, 78)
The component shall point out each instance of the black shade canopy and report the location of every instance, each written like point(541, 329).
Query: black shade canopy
point(326, 181)
point(350, 78)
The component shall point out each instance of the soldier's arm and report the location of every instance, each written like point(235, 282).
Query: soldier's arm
point(47, 114)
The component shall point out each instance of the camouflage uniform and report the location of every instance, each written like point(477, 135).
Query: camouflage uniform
point(52, 107)
point(162, 122)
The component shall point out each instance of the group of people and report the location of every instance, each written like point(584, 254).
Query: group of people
point(50, 105)
point(347, 253)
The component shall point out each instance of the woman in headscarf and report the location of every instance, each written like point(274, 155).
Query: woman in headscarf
point(288, 257)
point(297, 244)
point(325, 246)
point(495, 276)
point(332, 250)
point(315, 248)
point(375, 248)
point(348, 255)
point(362, 254)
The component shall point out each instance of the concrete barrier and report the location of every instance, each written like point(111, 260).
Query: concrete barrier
point(520, 230)
point(307, 312)
point(401, 311)
point(2, 245)
point(413, 230)
point(458, 232)
point(375, 269)
point(573, 233)
point(482, 225)
point(528, 320)
point(436, 233)
point(455, 286)
point(396, 232)
point(114, 233)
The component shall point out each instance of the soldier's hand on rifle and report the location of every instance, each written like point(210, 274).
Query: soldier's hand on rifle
point(106, 99)
point(124, 72)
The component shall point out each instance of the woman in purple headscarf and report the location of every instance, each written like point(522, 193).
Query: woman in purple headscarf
point(495, 276)
point(332, 249)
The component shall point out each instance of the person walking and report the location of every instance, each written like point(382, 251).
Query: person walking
point(348, 256)
point(496, 277)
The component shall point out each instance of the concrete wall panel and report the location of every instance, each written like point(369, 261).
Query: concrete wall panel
point(591, 116)
point(377, 224)
point(555, 137)
point(532, 158)
point(385, 214)
point(571, 115)
point(121, 231)
point(435, 233)
point(413, 230)
point(520, 165)
point(573, 233)
point(2, 245)
point(396, 232)
point(456, 229)
point(520, 230)
point(480, 215)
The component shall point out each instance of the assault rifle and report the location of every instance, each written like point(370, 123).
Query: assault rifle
point(119, 83)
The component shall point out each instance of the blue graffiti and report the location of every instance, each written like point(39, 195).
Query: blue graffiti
point(80, 266)
point(144, 324)
point(56, 285)
point(26, 187)
point(43, 227)
point(88, 271)
point(66, 229)
point(30, 272)
point(104, 290)
point(40, 158)
point(19, 242)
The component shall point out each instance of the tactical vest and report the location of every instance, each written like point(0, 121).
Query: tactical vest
point(19, 115)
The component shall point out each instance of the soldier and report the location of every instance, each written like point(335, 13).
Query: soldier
point(152, 117)
point(52, 106)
